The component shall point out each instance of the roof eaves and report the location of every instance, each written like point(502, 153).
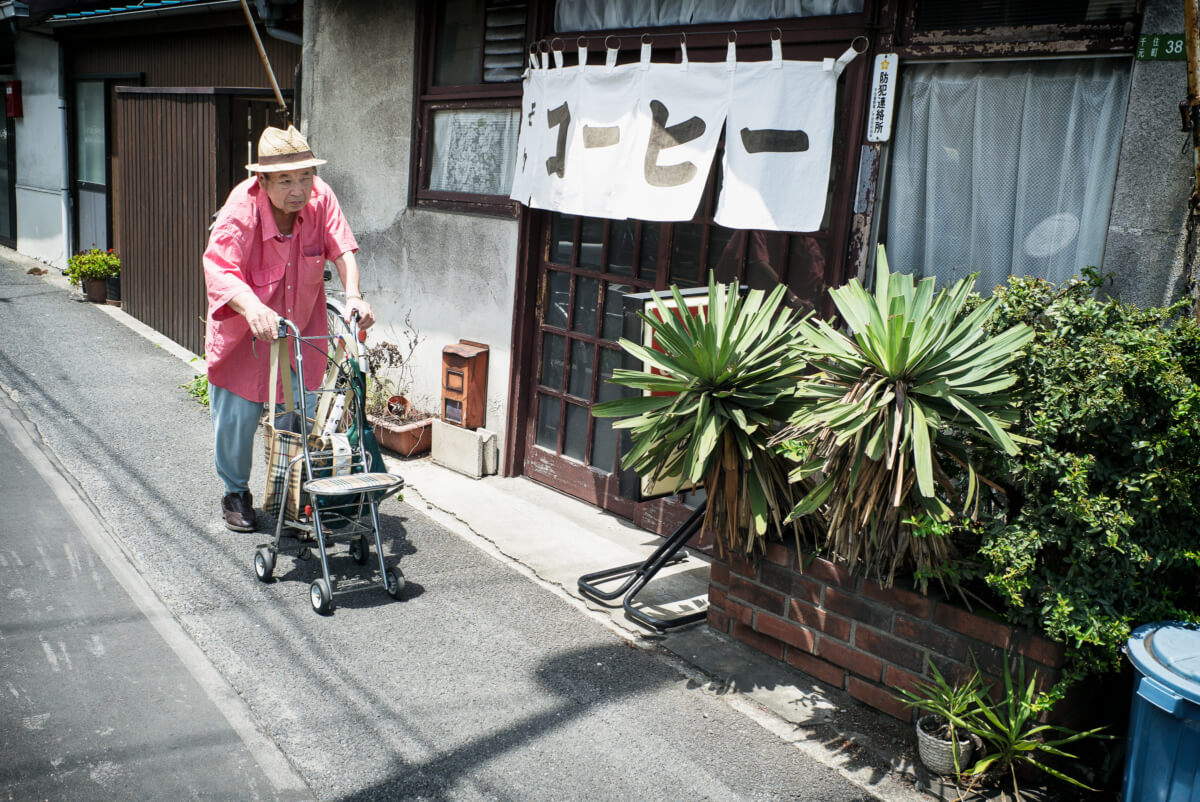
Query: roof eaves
point(139, 11)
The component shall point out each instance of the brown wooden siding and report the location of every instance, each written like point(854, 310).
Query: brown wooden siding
point(212, 57)
point(165, 192)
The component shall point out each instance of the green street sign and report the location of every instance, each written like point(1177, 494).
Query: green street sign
point(1160, 47)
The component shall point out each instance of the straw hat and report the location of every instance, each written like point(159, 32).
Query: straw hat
point(280, 150)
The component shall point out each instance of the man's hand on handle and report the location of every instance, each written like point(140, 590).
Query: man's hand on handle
point(263, 320)
point(366, 316)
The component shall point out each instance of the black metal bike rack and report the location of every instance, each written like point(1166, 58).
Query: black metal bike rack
point(638, 575)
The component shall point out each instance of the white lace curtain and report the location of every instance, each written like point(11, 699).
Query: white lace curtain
point(474, 150)
point(596, 15)
point(1004, 168)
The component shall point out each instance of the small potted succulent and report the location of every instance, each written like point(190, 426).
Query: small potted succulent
point(92, 269)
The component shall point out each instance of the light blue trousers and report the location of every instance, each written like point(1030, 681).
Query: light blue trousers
point(235, 422)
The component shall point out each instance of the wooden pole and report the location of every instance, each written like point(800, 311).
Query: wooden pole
point(1191, 13)
point(1190, 109)
point(267, 62)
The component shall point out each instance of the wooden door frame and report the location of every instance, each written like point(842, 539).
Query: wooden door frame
point(658, 514)
point(11, 157)
point(109, 81)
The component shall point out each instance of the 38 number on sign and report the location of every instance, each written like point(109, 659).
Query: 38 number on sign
point(1160, 47)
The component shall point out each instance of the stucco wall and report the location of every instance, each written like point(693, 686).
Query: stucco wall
point(1146, 240)
point(452, 275)
point(41, 177)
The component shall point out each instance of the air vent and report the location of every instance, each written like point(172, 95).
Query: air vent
point(504, 42)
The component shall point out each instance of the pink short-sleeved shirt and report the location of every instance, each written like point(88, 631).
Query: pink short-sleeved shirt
point(247, 252)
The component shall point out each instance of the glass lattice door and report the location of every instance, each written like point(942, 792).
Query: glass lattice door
point(586, 266)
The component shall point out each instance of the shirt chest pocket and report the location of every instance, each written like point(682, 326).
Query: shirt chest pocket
point(266, 278)
point(312, 266)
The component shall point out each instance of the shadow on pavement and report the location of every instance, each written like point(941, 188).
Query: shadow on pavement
point(560, 675)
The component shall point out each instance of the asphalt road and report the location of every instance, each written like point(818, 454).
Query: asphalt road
point(479, 684)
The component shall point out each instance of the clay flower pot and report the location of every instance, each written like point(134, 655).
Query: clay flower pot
point(96, 290)
point(406, 439)
point(397, 405)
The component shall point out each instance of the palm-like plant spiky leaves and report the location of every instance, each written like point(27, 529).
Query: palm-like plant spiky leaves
point(918, 380)
point(722, 379)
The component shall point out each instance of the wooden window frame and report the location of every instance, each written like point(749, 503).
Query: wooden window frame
point(430, 98)
point(1006, 41)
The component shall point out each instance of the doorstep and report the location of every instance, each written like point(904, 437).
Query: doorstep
point(555, 539)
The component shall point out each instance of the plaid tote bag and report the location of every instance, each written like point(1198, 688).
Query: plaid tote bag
point(282, 433)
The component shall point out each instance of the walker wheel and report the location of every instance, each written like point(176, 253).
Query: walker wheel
point(395, 582)
point(320, 596)
point(264, 563)
point(360, 549)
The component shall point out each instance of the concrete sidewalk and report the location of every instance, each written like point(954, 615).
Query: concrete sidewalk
point(555, 539)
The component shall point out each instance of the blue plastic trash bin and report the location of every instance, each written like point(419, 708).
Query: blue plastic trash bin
point(1163, 759)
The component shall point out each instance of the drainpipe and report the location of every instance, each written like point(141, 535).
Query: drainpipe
point(284, 36)
point(1190, 110)
point(64, 119)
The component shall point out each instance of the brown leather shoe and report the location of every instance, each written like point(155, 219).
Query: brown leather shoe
point(239, 511)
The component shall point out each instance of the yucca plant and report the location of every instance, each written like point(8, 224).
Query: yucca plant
point(724, 378)
point(918, 381)
point(1013, 734)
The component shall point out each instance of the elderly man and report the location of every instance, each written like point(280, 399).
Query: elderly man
point(266, 259)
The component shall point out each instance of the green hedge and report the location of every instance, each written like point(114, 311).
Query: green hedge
point(1103, 526)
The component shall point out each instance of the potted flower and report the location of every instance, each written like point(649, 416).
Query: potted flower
point(92, 269)
point(398, 425)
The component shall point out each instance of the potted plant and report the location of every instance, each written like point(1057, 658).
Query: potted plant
point(963, 732)
point(719, 380)
point(1013, 734)
point(93, 269)
point(943, 744)
point(398, 425)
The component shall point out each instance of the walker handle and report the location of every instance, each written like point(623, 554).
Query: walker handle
point(358, 337)
point(285, 325)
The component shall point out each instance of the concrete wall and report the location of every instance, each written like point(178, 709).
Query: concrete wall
point(1145, 249)
point(452, 275)
point(41, 153)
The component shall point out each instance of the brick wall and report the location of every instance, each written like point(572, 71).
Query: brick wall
point(856, 635)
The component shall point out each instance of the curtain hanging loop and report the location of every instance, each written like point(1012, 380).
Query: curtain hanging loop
point(776, 35)
point(865, 44)
point(607, 46)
